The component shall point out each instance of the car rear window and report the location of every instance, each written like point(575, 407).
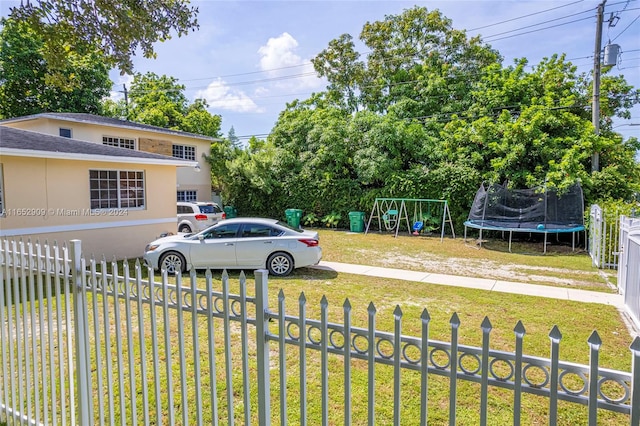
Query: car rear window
point(286, 225)
point(210, 208)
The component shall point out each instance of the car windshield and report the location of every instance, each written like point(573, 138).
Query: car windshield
point(286, 225)
point(209, 208)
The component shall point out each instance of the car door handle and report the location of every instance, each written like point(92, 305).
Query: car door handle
point(228, 244)
point(268, 242)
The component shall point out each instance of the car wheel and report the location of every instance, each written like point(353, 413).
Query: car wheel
point(173, 262)
point(280, 264)
point(184, 228)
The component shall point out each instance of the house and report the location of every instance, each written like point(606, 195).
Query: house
point(192, 183)
point(114, 199)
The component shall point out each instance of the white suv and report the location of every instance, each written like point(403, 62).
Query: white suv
point(196, 216)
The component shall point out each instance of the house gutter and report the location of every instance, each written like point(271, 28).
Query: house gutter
point(13, 152)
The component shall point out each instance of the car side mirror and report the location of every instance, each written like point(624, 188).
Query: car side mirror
point(200, 237)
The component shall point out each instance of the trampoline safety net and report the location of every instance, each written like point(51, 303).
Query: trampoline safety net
point(536, 209)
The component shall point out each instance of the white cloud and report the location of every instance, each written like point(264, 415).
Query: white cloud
point(278, 53)
point(279, 60)
point(220, 96)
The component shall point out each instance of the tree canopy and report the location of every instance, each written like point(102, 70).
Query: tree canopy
point(117, 28)
point(430, 113)
point(26, 85)
point(160, 101)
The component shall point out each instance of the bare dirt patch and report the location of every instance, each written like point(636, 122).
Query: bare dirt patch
point(500, 271)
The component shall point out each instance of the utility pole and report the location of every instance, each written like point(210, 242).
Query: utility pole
point(126, 102)
point(595, 107)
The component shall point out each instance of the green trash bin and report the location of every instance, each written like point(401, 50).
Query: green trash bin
point(356, 221)
point(293, 217)
point(230, 212)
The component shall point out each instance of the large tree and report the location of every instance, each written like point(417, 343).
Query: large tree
point(416, 55)
point(26, 85)
point(119, 28)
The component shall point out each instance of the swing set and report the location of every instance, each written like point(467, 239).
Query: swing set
point(428, 215)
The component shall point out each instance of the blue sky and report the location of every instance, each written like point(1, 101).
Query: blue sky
point(250, 58)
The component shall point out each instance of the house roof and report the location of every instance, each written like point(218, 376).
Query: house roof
point(103, 121)
point(25, 143)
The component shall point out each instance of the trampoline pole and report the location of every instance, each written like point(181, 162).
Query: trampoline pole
point(545, 243)
point(510, 235)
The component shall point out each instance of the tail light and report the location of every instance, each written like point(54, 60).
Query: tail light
point(309, 242)
point(201, 217)
point(224, 216)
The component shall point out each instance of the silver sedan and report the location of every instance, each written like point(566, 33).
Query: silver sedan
point(239, 243)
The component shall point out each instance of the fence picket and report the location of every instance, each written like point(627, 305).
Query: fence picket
point(95, 289)
point(19, 292)
point(453, 368)
point(227, 347)
point(153, 301)
point(33, 332)
point(129, 326)
point(180, 303)
point(302, 341)
point(346, 346)
point(197, 374)
point(168, 364)
point(424, 367)
point(142, 347)
point(245, 349)
point(104, 282)
point(262, 348)
point(484, 388)
point(282, 335)
point(555, 336)
point(5, 338)
point(594, 346)
point(371, 363)
point(324, 361)
point(213, 382)
point(519, 331)
point(635, 384)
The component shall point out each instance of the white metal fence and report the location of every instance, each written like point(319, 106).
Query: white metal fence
point(89, 343)
point(629, 266)
point(604, 238)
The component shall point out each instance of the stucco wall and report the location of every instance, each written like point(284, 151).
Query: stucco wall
point(159, 143)
point(50, 199)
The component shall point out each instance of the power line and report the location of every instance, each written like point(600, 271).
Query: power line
point(541, 29)
point(542, 23)
point(524, 16)
point(626, 28)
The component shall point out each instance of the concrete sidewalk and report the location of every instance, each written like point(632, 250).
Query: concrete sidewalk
point(562, 293)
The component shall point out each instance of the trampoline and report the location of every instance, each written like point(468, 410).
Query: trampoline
point(537, 210)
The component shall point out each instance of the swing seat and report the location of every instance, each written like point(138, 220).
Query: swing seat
point(417, 227)
point(390, 218)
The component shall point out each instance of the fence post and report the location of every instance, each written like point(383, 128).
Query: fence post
point(635, 381)
point(81, 334)
point(262, 350)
